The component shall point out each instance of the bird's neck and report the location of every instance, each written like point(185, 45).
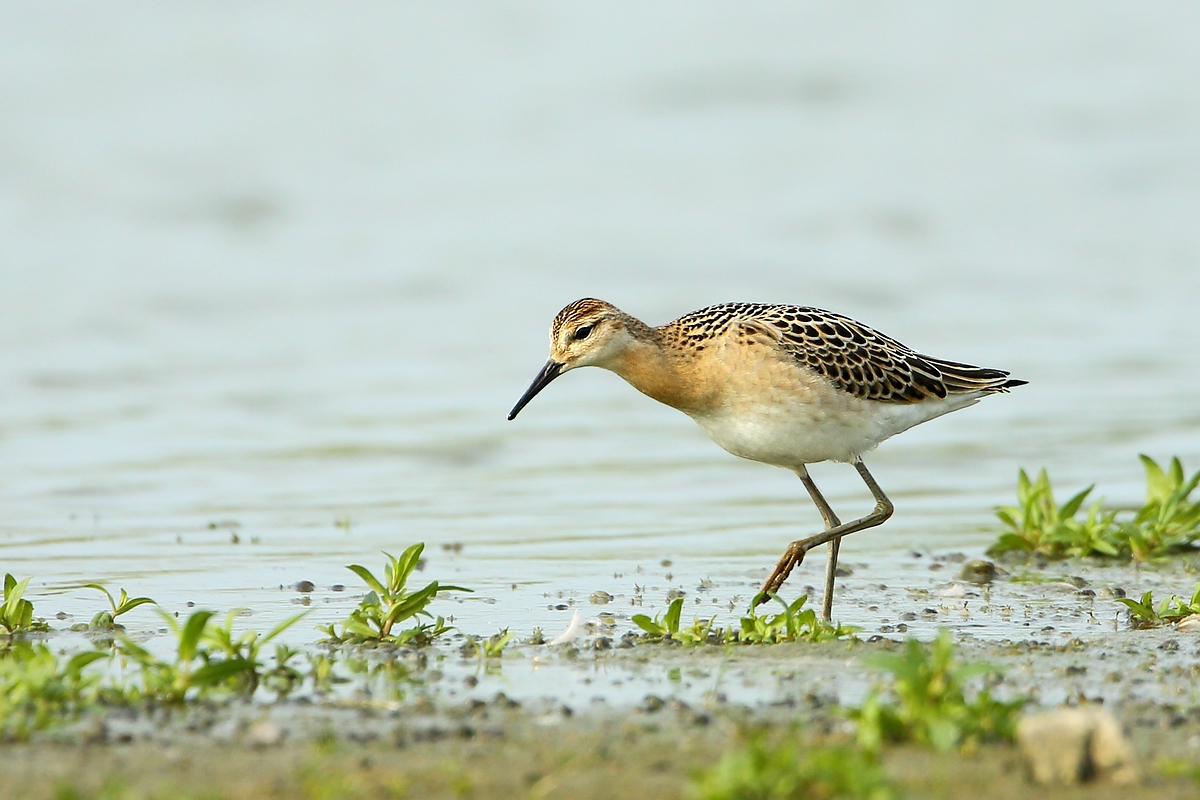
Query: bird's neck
point(656, 372)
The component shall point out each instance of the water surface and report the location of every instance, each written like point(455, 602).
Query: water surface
point(267, 270)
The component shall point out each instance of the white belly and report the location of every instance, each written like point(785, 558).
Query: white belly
point(790, 432)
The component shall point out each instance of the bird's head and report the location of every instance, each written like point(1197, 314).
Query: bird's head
point(587, 333)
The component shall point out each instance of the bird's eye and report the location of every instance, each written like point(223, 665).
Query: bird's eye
point(583, 332)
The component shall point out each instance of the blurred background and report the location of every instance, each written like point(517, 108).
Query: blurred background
point(273, 274)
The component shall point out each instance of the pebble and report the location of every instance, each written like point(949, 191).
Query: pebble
point(264, 734)
point(1074, 745)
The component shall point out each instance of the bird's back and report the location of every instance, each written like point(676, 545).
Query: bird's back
point(853, 357)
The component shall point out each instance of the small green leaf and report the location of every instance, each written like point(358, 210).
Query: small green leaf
point(368, 578)
point(193, 630)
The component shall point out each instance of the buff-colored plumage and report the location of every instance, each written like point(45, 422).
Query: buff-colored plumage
point(784, 385)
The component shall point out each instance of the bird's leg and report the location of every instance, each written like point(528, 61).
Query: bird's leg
point(831, 521)
point(794, 555)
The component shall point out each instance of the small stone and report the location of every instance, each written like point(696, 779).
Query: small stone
point(979, 573)
point(1072, 745)
point(264, 734)
point(843, 571)
point(304, 587)
point(600, 598)
point(652, 703)
point(1189, 623)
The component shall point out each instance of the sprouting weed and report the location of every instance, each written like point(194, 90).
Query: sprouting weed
point(193, 672)
point(493, 646)
point(37, 687)
point(389, 602)
point(928, 704)
point(16, 614)
point(663, 626)
point(790, 770)
point(283, 678)
point(243, 649)
point(107, 620)
point(1143, 614)
point(794, 623)
point(1038, 524)
point(1167, 524)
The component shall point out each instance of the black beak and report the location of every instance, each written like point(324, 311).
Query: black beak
point(549, 372)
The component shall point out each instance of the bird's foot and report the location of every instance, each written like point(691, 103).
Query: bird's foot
point(792, 558)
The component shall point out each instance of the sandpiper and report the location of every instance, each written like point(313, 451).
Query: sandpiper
point(784, 385)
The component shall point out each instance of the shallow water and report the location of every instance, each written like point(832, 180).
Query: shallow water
point(269, 270)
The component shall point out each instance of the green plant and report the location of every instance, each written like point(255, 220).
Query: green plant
point(389, 602)
point(928, 702)
point(1143, 614)
point(107, 620)
point(1169, 522)
point(37, 688)
point(16, 614)
point(791, 771)
point(192, 673)
point(1038, 524)
point(493, 646)
point(794, 623)
point(244, 649)
point(663, 626)
point(283, 678)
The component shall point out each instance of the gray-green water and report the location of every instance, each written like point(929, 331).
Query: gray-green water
point(270, 268)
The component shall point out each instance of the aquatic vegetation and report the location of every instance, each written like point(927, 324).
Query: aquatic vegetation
point(928, 704)
point(194, 671)
point(1167, 524)
point(389, 602)
point(1039, 524)
point(794, 623)
point(37, 687)
point(244, 649)
point(663, 626)
point(791, 770)
point(16, 614)
point(107, 620)
point(493, 646)
point(1143, 614)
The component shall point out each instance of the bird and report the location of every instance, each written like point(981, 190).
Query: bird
point(783, 385)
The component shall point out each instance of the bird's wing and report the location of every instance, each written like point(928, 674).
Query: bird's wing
point(868, 364)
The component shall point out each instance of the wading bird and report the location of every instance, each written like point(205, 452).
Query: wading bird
point(784, 385)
